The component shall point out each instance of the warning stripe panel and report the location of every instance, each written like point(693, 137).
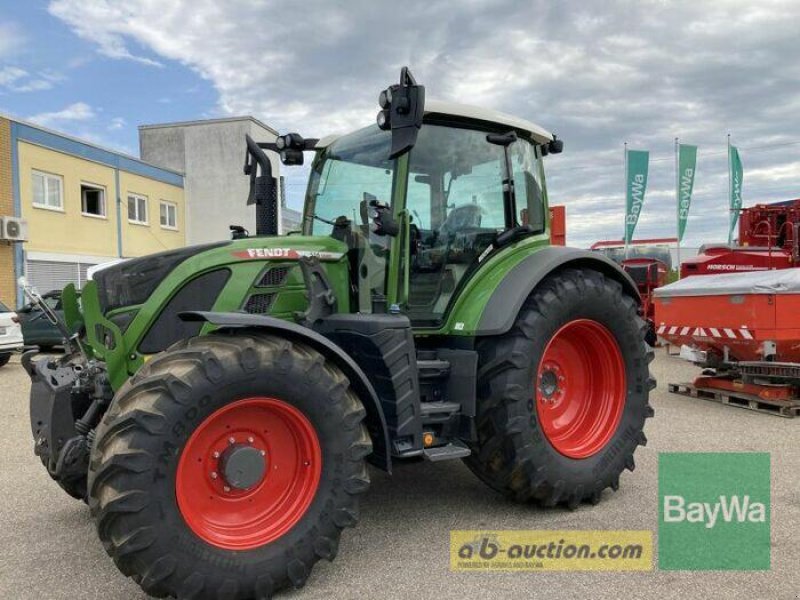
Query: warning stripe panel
point(714, 332)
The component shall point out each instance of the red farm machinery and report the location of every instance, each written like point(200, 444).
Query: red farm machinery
point(768, 239)
point(736, 314)
point(648, 262)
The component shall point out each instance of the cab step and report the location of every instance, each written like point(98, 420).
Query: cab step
point(448, 452)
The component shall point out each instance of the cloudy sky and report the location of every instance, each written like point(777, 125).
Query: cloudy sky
point(597, 73)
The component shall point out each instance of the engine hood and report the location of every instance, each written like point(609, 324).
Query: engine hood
point(132, 281)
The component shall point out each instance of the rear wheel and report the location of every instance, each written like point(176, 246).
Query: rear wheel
point(563, 396)
point(228, 466)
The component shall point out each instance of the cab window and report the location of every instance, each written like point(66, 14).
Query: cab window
point(456, 202)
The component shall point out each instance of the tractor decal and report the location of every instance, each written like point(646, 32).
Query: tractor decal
point(286, 253)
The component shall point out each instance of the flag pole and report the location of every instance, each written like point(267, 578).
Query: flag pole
point(730, 193)
point(678, 203)
point(625, 196)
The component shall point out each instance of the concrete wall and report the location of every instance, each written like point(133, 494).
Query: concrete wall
point(211, 155)
point(8, 293)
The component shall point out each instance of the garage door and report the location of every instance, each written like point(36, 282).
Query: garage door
point(47, 275)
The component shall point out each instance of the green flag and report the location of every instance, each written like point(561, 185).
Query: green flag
point(736, 176)
point(687, 165)
point(636, 169)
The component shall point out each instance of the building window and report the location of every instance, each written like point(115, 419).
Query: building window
point(93, 200)
point(137, 209)
point(48, 191)
point(169, 215)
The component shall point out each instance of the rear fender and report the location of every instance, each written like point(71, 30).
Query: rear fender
point(505, 302)
point(375, 420)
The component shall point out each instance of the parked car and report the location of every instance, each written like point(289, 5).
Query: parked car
point(10, 334)
point(37, 330)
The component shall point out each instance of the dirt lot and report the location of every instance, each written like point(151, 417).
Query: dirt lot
point(400, 548)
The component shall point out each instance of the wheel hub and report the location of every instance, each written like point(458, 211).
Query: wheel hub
point(242, 466)
point(551, 383)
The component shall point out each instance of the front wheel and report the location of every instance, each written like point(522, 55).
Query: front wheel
point(4, 359)
point(563, 396)
point(228, 466)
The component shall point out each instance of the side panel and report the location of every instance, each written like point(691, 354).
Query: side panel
point(490, 302)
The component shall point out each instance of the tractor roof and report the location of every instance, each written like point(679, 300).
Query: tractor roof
point(524, 127)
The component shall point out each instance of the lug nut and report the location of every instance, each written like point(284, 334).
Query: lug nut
point(215, 455)
point(226, 488)
point(263, 453)
point(250, 440)
point(213, 475)
point(231, 440)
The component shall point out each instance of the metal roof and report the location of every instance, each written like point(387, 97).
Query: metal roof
point(27, 131)
point(467, 111)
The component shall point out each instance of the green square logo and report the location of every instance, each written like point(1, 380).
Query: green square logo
point(714, 511)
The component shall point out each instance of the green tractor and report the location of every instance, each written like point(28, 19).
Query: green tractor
point(219, 404)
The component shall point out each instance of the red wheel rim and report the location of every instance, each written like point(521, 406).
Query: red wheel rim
point(280, 441)
point(580, 388)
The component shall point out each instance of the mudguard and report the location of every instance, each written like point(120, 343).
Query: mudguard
point(375, 421)
point(507, 298)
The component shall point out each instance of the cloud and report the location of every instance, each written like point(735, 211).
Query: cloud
point(598, 74)
point(11, 39)
point(116, 123)
point(110, 37)
point(16, 79)
point(79, 111)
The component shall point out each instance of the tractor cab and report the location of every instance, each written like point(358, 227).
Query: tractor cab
point(431, 214)
point(420, 214)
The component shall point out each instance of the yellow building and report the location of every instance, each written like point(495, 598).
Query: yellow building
point(77, 205)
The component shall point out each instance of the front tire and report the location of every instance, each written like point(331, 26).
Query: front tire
point(563, 396)
point(228, 466)
point(4, 359)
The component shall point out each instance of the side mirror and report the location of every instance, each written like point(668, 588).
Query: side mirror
point(556, 146)
point(402, 108)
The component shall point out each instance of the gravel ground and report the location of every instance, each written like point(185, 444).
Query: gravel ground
point(400, 548)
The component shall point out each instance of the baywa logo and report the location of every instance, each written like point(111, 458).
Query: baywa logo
point(714, 511)
point(730, 509)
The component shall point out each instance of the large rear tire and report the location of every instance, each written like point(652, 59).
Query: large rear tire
point(563, 396)
point(228, 466)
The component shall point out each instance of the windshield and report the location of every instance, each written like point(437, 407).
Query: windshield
point(350, 172)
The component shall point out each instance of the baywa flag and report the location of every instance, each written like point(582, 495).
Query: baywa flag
point(635, 188)
point(687, 166)
point(736, 174)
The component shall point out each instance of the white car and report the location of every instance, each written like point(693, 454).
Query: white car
point(10, 334)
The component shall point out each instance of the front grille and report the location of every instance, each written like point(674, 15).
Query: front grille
point(274, 276)
point(259, 304)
